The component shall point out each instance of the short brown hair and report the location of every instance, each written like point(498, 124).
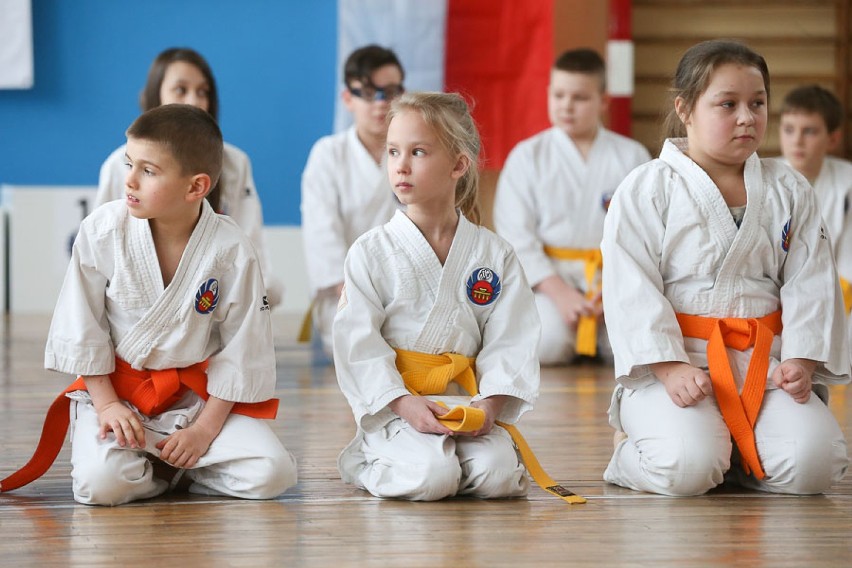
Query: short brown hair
point(584, 60)
point(362, 62)
point(815, 99)
point(189, 133)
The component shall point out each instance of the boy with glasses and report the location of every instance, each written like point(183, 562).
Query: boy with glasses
point(345, 191)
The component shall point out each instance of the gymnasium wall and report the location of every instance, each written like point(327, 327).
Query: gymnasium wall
point(274, 63)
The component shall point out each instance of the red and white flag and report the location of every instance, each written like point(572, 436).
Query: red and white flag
point(497, 54)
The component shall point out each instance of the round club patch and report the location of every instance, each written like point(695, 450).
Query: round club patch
point(207, 297)
point(483, 286)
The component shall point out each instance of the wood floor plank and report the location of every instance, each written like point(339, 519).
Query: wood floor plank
point(322, 522)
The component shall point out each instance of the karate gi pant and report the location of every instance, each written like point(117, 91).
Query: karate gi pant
point(558, 340)
point(397, 461)
point(246, 459)
point(324, 310)
point(688, 451)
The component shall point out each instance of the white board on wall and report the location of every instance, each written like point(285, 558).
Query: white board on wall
point(16, 44)
point(43, 222)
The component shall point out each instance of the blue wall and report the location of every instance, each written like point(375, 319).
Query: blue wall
point(274, 62)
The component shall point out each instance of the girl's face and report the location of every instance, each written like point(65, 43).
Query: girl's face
point(421, 171)
point(729, 118)
point(185, 83)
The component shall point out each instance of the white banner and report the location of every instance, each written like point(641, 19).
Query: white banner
point(16, 44)
point(414, 29)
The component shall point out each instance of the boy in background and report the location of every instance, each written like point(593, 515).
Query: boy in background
point(551, 200)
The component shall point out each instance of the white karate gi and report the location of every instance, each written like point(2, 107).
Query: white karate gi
point(398, 295)
point(671, 246)
point(548, 194)
point(345, 193)
point(238, 200)
point(112, 303)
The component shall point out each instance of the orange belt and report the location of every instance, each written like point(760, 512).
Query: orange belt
point(738, 410)
point(430, 374)
point(152, 392)
point(587, 326)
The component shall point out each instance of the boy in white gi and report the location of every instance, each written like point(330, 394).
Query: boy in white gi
point(163, 314)
point(431, 289)
point(345, 190)
point(721, 301)
point(811, 117)
point(182, 75)
point(551, 200)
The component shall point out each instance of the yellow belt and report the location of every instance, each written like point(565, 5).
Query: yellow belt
point(587, 326)
point(426, 374)
point(307, 324)
point(846, 288)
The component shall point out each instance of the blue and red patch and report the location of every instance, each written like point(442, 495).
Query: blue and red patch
point(786, 235)
point(483, 286)
point(207, 297)
point(606, 199)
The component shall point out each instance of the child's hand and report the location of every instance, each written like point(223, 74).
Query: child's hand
point(184, 447)
point(570, 302)
point(686, 385)
point(421, 413)
point(123, 422)
point(795, 376)
point(492, 407)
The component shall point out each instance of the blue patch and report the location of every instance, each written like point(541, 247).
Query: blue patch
point(483, 286)
point(606, 199)
point(207, 297)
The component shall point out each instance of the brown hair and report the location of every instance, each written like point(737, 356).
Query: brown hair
point(815, 99)
point(695, 71)
point(449, 115)
point(362, 62)
point(584, 60)
point(188, 133)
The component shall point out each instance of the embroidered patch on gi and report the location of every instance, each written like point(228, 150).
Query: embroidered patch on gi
point(606, 199)
point(207, 297)
point(786, 234)
point(483, 286)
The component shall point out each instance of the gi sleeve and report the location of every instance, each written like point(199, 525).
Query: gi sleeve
point(507, 363)
point(811, 301)
point(516, 216)
point(640, 320)
point(243, 370)
point(365, 363)
point(247, 212)
point(322, 225)
point(79, 340)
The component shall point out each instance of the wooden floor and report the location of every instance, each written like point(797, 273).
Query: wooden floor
point(322, 522)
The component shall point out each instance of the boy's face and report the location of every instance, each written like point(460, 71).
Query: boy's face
point(155, 188)
point(370, 116)
point(805, 140)
point(575, 103)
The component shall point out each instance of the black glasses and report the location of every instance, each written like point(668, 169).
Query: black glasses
point(370, 93)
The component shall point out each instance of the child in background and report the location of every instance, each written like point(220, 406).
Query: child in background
point(163, 315)
point(721, 301)
point(182, 75)
point(811, 117)
point(345, 190)
point(551, 200)
point(427, 289)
